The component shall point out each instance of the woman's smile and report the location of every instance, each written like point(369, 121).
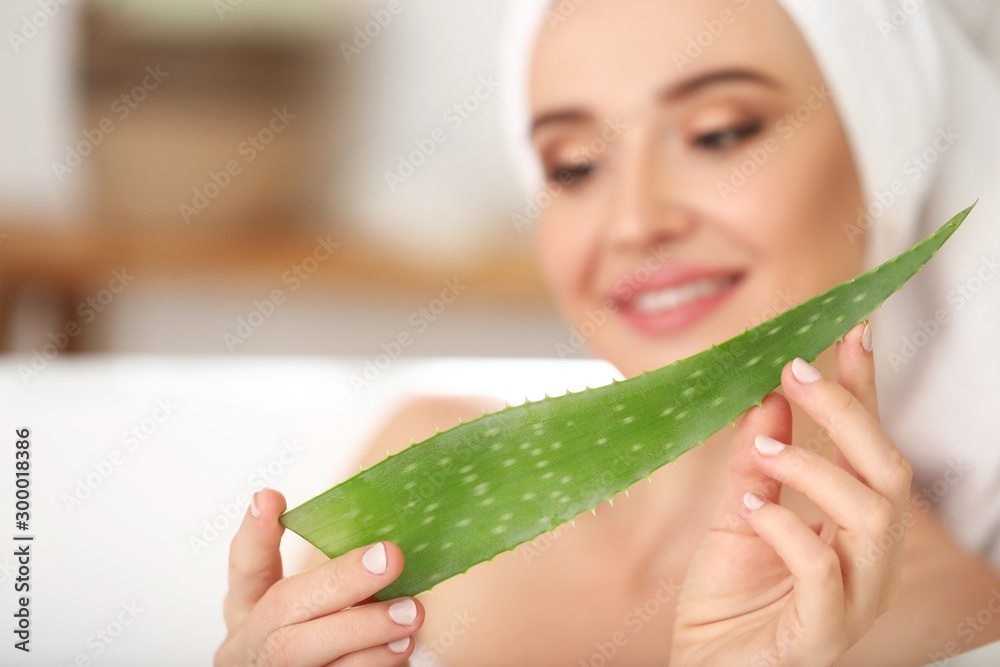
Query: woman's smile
point(675, 297)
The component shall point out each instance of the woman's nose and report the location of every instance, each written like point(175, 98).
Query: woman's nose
point(647, 209)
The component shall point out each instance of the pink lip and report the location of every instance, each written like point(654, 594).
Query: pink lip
point(675, 320)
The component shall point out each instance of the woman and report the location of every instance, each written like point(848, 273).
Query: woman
point(705, 160)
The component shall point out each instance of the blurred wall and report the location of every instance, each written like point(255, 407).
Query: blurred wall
point(217, 151)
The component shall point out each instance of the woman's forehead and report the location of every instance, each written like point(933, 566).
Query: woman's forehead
point(629, 51)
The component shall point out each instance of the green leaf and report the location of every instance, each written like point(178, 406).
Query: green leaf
point(467, 494)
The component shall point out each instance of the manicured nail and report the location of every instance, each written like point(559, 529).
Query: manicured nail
point(254, 510)
point(804, 372)
point(400, 645)
point(866, 337)
point(768, 446)
point(375, 560)
point(403, 612)
point(752, 501)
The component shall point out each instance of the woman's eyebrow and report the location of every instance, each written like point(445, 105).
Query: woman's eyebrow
point(694, 83)
point(671, 93)
point(568, 116)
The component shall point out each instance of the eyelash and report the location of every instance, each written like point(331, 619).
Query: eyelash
point(576, 173)
point(727, 138)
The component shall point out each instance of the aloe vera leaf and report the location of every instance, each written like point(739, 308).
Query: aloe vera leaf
point(467, 494)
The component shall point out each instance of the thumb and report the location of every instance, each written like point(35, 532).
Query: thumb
point(774, 419)
point(254, 558)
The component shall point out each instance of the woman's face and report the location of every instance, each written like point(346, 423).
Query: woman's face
point(699, 176)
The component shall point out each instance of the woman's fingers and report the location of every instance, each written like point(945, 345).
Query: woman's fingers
point(854, 430)
point(855, 371)
point(386, 655)
point(773, 417)
point(816, 567)
point(863, 518)
point(376, 629)
point(254, 559)
point(841, 496)
point(316, 617)
point(869, 499)
point(855, 365)
point(327, 588)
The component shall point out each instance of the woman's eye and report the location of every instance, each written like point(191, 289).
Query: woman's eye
point(570, 174)
point(727, 138)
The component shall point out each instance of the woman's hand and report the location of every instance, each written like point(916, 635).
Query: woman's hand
point(764, 588)
point(323, 616)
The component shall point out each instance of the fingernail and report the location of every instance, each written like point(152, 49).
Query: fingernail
point(403, 612)
point(866, 337)
point(374, 559)
point(804, 372)
point(768, 446)
point(752, 501)
point(400, 645)
point(254, 510)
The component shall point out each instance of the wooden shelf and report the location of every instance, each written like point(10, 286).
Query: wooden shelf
point(77, 258)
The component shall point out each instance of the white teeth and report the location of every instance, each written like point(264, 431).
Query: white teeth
point(675, 297)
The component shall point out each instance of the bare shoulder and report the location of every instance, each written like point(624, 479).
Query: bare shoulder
point(416, 420)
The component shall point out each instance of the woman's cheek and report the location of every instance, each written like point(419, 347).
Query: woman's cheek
point(569, 250)
point(556, 257)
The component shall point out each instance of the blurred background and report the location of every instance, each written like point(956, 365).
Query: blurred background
point(255, 177)
point(221, 221)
